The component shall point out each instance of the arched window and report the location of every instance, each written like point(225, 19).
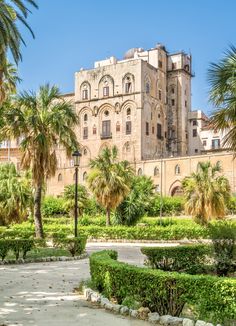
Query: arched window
point(118, 126)
point(106, 86)
point(177, 169)
point(85, 151)
point(128, 83)
point(128, 112)
point(147, 86)
point(85, 91)
point(85, 117)
point(94, 130)
point(59, 178)
point(156, 171)
point(85, 176)
point(140, 172)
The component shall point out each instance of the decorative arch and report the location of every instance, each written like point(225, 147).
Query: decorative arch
point(59, 178)
point(86, 155)
point(140, 172)
point(128, 83)
point(177, 169)
point(85, 175)
point(147, 84)
point(176, 188)
point(106, 86)
point(156, 171)
point(128, 151)
point(85, 91)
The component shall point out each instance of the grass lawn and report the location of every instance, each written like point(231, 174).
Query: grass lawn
point(42, 252)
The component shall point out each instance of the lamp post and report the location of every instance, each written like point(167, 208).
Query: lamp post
point(76, 156)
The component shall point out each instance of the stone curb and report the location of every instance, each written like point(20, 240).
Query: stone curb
point(142, 313)
point(42, 260)
point(181, 241)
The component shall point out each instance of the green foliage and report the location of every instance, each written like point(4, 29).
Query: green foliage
point(134, 206)
point(93, 208)
point(165, 292)
point(75, 246)
point(16, 196)
point(231, 205)
point(109, 180)
point(53, 206)
point(170, 206)
point(69, 198)
point(206, 193)
point(189, 258)
point(223, 236)
point(16, 245)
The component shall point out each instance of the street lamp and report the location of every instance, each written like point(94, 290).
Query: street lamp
point(76, 156)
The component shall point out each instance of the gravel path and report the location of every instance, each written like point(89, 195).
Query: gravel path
point(41, 294)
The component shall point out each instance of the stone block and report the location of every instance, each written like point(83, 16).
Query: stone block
point(104, 301)
point(116, 308)
point(143, 312)
point(200, 323)
point(95, 297)
point(153, 317)
point(133, 313)
point(124, 310)
point(188, 322)
point(168, 320)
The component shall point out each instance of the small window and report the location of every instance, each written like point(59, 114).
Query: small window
point(204, 143)
point(85, 133)
point(172, 102)
point(177, 169)
point(106, 113)
point(147, 128)
point(59, 178)
point(117, 127)
point(85, 117)
point(128, 87)
point(128, 112)
point(94, 130)
point(128, 127)
point(85, 176)
point(156, 171)
point(174, 66)
point(172, 90)
point(186, 67)
point(153, 130)
point(194, 122)
point(185, 103)
point(85, 94)
point(215, 143)
point(159, 94)
point(196, 150)
point(85, 151)
point(159, 131)
point(147, 88)
point(159, 64)
point(106, 91)
point(194, 132)
point(140, 172)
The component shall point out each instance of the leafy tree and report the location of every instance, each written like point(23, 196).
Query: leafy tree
point(45, 120)
point(109, 180)
point(134, 206)
point(206, 192)
point(16, 197)
point(69, 196)
point(222, 79)
point(12, 12)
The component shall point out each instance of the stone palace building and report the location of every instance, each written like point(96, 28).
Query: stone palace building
point(141, 104)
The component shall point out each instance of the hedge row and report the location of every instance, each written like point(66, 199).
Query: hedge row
point(18, 246)
point(189, 258)
point(164, 292)
point(75, 246)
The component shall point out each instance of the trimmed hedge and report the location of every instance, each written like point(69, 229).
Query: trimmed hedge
point(75, 246)
point(164, 292)
point(18, 246)
point(188, 258)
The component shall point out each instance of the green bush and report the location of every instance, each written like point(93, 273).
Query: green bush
point(17, 246)
point(52, 206)
point(223, 235)
point(231, 205)
point(164, 292)
point(189, 258)
point(75, 246)
point(170, 206)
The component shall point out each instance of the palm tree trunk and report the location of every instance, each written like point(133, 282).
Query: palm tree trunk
point(108, 220)
point(37, 211)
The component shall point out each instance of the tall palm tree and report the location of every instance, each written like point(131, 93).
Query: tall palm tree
point(206, 192)
point(16, 195)
point(12, 12)
point(222, 79)
point(46, 121)
point(9, 82)
point(109, 180)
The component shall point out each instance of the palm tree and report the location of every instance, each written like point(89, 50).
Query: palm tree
point(45, 120)
point(12, 12)
point(9, 82)
point(16, 195)
point(222, 79)
point(109, 180)
point(69, 195)
point(206, 192)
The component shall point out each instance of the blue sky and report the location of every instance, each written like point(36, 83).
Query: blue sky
point(71, 34)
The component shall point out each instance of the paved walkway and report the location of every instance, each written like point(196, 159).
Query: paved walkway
point(41, 294)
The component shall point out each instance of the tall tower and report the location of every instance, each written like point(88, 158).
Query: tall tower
point(178, 102)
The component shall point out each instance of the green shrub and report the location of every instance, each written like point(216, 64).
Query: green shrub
point(223, 235)
point(170, 206)
point(164, 292)
point(53, 206)
point(231, 205)
point(75, 246)
point(17, 246)
point(188, 258)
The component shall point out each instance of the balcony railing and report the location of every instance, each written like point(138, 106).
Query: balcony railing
point(106, 136)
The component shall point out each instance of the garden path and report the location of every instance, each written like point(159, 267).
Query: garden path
point(41, 294)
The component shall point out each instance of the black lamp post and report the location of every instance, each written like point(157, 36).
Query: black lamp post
point(76, 155)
